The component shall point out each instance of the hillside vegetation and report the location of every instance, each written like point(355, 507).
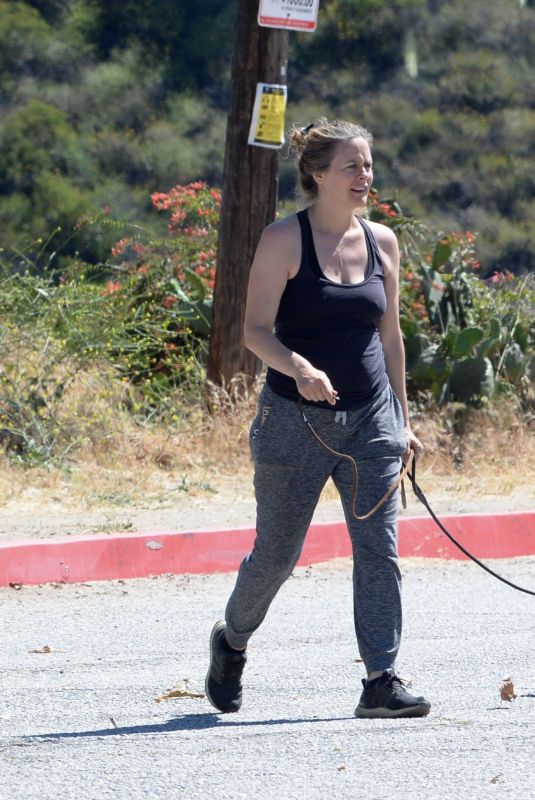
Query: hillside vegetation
point(105, 101)
point(112, 132)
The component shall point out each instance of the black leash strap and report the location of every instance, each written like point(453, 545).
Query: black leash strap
point(422, 498)
point(419, 495)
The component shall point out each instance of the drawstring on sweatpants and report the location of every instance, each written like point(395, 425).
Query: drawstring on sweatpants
point(389, 492)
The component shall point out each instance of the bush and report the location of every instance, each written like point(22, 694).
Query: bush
point(142, 320)
point(466, 339)
point(24, 41)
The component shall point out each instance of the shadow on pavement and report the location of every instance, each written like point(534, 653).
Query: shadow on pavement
point(186, 722)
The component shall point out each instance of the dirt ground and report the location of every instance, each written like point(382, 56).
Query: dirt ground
point(33, 512)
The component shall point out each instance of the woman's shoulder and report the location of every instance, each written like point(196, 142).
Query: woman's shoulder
point(384, 236)
point(381, 232)
point(279, 248)
point(282, 229)
point(283, 235)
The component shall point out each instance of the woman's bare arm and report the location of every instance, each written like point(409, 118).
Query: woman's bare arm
point(276, 260)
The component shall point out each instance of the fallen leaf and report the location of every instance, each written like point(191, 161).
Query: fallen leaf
point(358, 660)
point(342, 768)
point(497, 778)
point(507, 690)
point(179, 691)
point(46, 649)
point(113, 722)
point(16, 586)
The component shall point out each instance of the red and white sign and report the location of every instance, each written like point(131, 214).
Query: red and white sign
point(295, 15)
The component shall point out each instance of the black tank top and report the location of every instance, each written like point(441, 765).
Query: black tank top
point(334, 325)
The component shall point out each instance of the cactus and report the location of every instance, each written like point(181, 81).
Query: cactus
point(415, 345)
point(434, 290)
point(493, 337)
point(430, 370)
point(530, 369)
point(466, 340)
point(513, 362)
point(471, 379)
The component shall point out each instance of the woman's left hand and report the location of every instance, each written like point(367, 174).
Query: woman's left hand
point(412, 443)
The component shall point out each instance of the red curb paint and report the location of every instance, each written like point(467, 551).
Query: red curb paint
point(97, 558)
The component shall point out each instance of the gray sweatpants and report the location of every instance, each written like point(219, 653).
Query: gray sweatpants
point(291, 469)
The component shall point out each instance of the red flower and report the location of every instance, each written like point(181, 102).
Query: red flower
point(178, 216)
point(111, 287)
point(119, 248)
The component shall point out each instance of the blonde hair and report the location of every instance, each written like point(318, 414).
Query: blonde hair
point(314, 148)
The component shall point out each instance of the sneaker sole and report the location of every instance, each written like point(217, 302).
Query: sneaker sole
point(218, 627)
point(387, 713)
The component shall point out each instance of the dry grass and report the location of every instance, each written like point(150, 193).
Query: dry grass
point(480, 451)
point(120, 463)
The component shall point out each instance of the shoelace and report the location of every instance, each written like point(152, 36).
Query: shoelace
point(232, 664)
point(398, 686)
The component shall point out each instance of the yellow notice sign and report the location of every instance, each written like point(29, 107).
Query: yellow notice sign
point(267, 123)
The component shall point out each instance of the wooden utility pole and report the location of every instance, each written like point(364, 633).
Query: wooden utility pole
point(249, 193)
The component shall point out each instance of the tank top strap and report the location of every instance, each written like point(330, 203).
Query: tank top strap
point(307, 242)
point(373, 249)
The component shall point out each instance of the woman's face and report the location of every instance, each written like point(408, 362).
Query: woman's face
point(349, 177)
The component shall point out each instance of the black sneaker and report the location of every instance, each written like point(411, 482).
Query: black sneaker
point(387, 697)
point(223, 682)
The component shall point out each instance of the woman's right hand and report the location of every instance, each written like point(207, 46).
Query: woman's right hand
point(314, 385)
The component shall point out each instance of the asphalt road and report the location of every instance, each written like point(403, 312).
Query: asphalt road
point(81, 722)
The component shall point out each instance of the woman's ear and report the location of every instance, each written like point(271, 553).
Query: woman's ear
point(318, 177)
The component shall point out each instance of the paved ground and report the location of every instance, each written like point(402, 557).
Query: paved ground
point(82, 722)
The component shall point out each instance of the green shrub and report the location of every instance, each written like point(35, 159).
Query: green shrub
point(24, 41)
point(466, 338)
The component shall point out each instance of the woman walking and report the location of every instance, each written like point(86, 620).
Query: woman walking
point(323, 313)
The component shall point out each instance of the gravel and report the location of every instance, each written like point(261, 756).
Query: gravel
point(81, 722)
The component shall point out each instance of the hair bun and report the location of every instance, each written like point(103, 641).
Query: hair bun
point(299, 135)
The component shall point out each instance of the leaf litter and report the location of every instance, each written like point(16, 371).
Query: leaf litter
point(507, 690)
point(179, 691)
